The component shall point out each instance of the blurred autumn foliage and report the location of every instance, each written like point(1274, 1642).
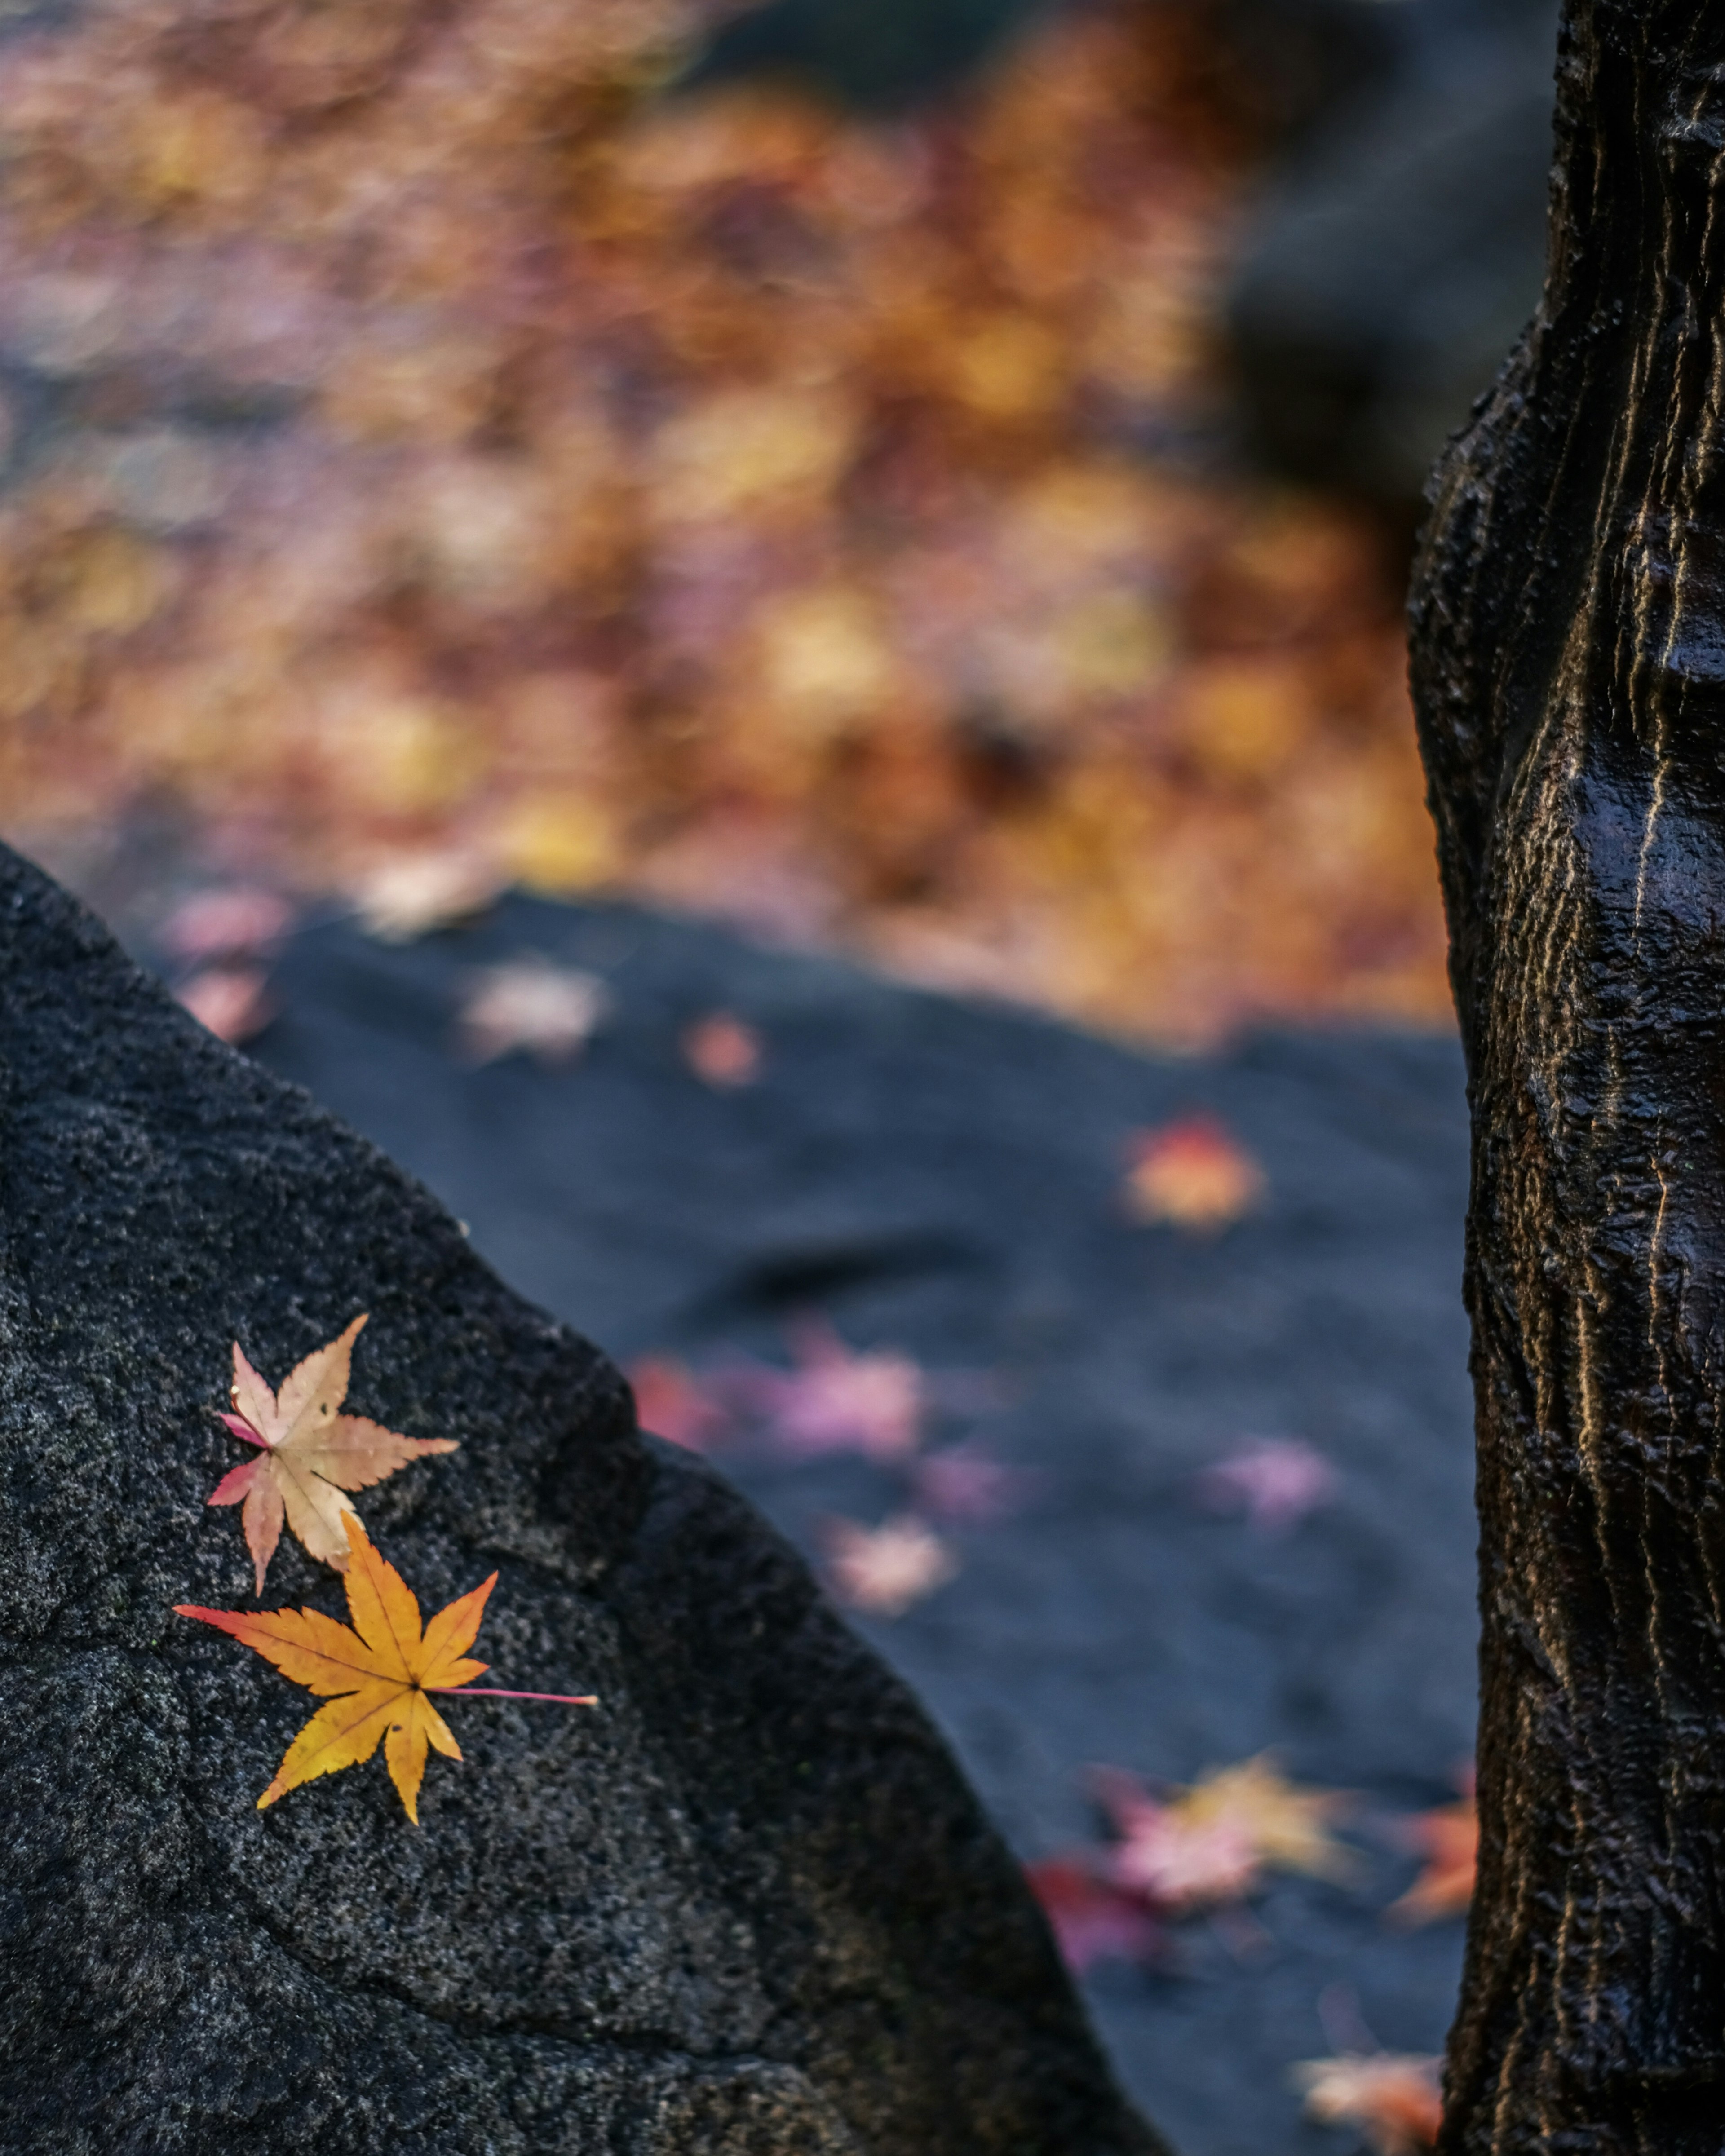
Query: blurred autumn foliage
point(425, 436)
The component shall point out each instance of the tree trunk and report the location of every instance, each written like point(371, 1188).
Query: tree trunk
point(1570, 670)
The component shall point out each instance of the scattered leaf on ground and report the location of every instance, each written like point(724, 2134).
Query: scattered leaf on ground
point(309, 1454)
point(1449, 1840)
point(1276, 1481)
point(966, 1485)
point(232, 1002)
point(885, 1570)
point(409, 895)
point(1211, 1844)
point(225, 922)
point(1093, 1919)
point(1192, 1173)
point(670, 1403)
point(1395, 2099)
point(722, 1051)
point(837, 1400)
point(377, 1675)
point(553, 1011)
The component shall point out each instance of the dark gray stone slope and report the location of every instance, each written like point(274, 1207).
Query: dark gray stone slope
point(748, 1906)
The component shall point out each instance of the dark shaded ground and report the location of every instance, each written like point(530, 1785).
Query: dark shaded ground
point(944, 1178)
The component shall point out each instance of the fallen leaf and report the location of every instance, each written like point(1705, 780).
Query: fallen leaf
point(837, 1400)
point(232, 1002)
point(225, 922)
point(1193, 1174)
point(1394, 2098)
point(722, 1051)
point(1179, 1864)
point(413, 894)
point(1092, 1919)
point(551, 1010)
point(379, 1675)
point(967, 1484)
point(1212, 1843)
point(1449, 1840)
point(885, 1570)
point(670, 1403)
point(310, 1453)
point(1276, 1481)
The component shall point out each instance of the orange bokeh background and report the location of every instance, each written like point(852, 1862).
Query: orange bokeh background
point(431, 441)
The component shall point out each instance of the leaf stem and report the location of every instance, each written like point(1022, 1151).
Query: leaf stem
point(488, 1691)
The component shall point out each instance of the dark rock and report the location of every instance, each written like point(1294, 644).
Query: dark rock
point(749, 1906)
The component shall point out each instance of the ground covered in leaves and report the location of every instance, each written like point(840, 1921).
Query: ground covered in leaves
point(427, 448)
point(1123, 1401)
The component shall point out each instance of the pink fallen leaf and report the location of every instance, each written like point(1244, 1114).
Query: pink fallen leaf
point(966, 1485)
point(1276, 1481)
point(885, 1570)
point(1192, 1174)
point(837, 1400)
point(1179, 1864)
point(308, 1453)
point(551, 1011)
point(671, 1403)
point(226, 922)
point(1210, 1844)
point(722, 1051)
point(1092, 1919)
point(232, 1002)
point(1394, 2098)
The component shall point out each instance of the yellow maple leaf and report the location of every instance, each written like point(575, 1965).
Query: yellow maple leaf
point(378, 1675)
point(1287, 1826)
point(309, 1454)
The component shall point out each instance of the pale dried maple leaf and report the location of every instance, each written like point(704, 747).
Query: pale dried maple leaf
point(885, 1570)
point(552, 1011)
point(309, 1454)
point(1394, 2098)
point(1179, 1864)
point(232, 1002)
point(411, 894)
point(1212, 1843)
point(837, 1400)
point(378, 1675)
point(1274, 1480)
point(1192, 1173)
point(224, 922)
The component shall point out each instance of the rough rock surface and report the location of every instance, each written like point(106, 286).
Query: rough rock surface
point(749, 1906)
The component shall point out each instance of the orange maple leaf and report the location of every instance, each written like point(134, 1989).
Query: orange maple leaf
point(1449, 1840)
point(309, 1454)
point(1192, 1173)
point(378, 1675)
point(1393, 2097)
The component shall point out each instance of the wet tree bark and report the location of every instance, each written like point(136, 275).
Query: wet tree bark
point(1569, 671)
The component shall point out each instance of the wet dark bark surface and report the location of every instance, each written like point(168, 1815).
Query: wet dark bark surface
point(1569, 666)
